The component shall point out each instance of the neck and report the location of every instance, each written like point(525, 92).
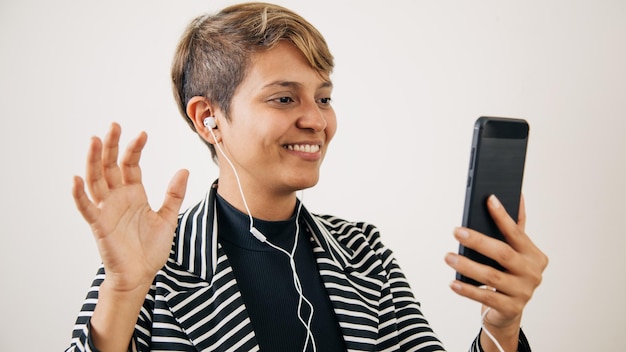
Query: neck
point(262, 204)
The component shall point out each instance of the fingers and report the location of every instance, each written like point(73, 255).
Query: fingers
point(174, 196)
point(510, 292)
point(492, 248)
point(490, 298)
point(523, 265)
point(523, 262)
point(94, 177)
point(110, 150)
point(84, 205)
point(131, 172)
point(512, 232)
point(103, 172)
point(521, 217)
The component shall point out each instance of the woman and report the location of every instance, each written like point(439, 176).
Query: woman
point(250, 268)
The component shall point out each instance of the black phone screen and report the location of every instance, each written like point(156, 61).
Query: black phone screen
point(497, 161)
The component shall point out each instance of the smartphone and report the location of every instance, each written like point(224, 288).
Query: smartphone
point(497, 160)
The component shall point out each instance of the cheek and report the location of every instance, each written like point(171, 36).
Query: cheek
point(331, 127)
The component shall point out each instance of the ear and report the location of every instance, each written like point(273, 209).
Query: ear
point(199, 108)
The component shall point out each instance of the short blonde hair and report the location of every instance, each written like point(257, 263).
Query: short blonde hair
point(213, 55)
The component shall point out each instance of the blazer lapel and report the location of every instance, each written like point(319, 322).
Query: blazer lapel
point(213, 314)
point(207, 304)
point(353, 287)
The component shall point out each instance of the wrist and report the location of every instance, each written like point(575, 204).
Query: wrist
point(501, 335)
point(115, 315)
point(126, 284)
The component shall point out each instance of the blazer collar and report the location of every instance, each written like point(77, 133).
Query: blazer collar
point(195, 247)
point(354, 288)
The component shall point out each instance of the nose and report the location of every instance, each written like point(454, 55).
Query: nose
point(312, 117)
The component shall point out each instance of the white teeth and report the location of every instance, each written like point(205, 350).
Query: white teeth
point(306, 148)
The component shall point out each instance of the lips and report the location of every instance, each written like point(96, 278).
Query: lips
point(304, 148)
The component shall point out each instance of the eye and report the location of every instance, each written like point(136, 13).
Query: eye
point(324, 101)
point(284, 100)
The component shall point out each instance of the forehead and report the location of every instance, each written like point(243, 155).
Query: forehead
point(283, 63)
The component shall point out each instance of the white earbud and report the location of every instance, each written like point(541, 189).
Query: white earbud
point(210, 123)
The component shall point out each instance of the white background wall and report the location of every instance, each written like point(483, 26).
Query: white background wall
point(411, 78)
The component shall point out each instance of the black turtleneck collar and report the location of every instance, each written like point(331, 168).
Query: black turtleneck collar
point(234, 227)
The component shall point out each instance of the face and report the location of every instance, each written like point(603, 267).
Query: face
point(281, 123)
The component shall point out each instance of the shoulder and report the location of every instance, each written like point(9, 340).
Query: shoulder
point(352, 234)
point(342, 226)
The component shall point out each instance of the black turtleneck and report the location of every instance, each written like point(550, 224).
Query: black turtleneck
point(265, 280)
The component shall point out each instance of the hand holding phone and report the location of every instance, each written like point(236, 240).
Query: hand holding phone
point(497, 160)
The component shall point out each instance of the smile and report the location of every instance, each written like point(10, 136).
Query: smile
point(305, 148)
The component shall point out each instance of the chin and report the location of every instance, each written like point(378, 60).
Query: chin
point(301, 183)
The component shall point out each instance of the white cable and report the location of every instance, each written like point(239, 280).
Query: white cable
point(297, 284)
point(243, 198)
point(256, 233)
point(493, 339)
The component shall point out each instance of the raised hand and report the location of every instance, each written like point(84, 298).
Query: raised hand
point(508, 292)
point(134, 241)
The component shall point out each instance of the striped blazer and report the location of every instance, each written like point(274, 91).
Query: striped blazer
point(194, 303)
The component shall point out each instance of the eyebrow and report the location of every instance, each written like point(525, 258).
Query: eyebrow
point(325, 84)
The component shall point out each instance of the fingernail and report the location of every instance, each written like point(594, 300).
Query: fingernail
point(495, 202)
point(456, 286)
point(452, 260)
point(461, 233)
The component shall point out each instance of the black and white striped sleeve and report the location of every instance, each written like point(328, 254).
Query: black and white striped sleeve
point(415, 334)
point(413, 330)
point(81, 337)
